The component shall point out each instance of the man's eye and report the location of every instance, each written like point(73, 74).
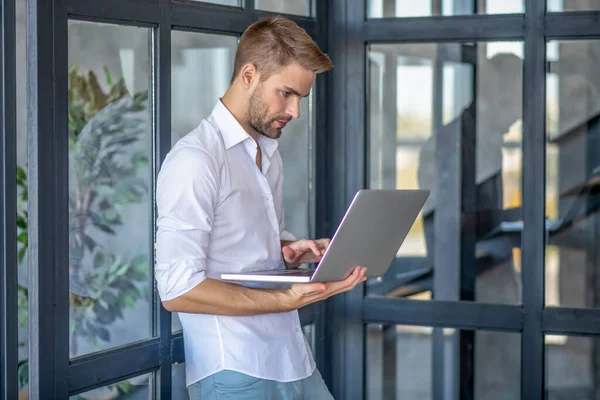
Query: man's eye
point(286, 94)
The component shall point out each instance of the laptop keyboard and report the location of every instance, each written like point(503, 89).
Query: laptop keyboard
point(296, 272)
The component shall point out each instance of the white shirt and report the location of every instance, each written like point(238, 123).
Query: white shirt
point(218, 213)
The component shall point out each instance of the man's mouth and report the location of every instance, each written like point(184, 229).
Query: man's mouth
point(281, 123)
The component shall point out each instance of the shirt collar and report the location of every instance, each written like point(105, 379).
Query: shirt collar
point(233, 133)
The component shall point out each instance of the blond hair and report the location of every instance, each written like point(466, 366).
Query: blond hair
point(272, 43)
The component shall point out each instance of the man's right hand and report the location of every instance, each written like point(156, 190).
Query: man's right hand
point(216, 297)
point(303, 294)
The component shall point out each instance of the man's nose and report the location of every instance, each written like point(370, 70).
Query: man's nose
point(294, 109)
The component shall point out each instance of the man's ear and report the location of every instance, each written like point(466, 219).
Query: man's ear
point(248, 75)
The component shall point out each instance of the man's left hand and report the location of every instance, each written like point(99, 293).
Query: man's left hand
point(303, 251)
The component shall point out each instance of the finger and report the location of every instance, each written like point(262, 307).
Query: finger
point(315, 248)
point(289, 254)
point(324, 243)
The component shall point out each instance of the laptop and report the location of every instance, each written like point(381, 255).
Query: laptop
point(370, 234)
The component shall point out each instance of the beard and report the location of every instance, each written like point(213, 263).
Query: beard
point(260, 119)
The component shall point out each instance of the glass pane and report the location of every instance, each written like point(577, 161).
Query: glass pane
point(573, 173)
point(110, 146)
point(418, 91)
point(295, 7)
point(572, 5)
point(131, 389)
point(201, 68)
point(234, 3)
point(572, 367)
point(203, 63)
point(178, 388)
point(400, 361)
point(22, 231)
point(428, 8)
point(296, 152)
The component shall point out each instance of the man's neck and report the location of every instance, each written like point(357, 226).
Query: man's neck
point(233, 101)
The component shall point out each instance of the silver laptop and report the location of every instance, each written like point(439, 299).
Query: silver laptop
point(370, 234)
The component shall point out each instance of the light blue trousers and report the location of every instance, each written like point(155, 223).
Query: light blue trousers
point(231, 385)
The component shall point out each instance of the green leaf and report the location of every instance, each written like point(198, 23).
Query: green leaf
point(22, 252)
point(23, 373)
point(99, 331)
point(108, 76)
point(21, 222)
point(104, 228)
point(98, 260)
point(89, 242)
point(21, 174)
point(23, 238)
point(130, 301)
point(139, 160)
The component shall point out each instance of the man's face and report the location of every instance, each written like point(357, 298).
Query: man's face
point(274, 102)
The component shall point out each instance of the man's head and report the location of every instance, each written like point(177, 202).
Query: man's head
point(275, 65)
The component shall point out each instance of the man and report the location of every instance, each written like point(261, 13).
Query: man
point(219, 201)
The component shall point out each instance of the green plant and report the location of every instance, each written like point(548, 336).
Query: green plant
point(104, 179)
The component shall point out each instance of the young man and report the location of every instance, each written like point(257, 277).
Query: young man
point(219, 201)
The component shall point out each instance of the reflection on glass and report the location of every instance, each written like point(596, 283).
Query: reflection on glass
point(201, 68)
point(571, 367)
point(428, 8)
point(178, 386)
point(295, 7)
point(418, 92)
point(110, 142)
point(22, 231)
point(134, 388)
point(572, 5)
point(573, 174)
point(400, 361)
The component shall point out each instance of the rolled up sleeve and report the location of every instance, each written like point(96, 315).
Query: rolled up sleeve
point(186, 198)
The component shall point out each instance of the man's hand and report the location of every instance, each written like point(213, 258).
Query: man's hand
point(303, 294)
point(303, 251)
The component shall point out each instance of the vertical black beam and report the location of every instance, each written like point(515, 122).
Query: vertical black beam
point(336, 185)
point(346, 103)
point(8, 206)
point(447, 235)
point(249, 9)
point(161, 88)
point(592, 251)
point(468, 243)
point(533, 239)
point(354, 330)
point(320, 142)
point(48, 186)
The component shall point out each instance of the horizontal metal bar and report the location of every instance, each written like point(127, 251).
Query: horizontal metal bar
point(130, 12)
point(437, 313)
point(577, 321)
point(101, 369)
point(226, 19)
point(177, 350)
point(464, 28)
point(573, 25)
point(209, 17)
